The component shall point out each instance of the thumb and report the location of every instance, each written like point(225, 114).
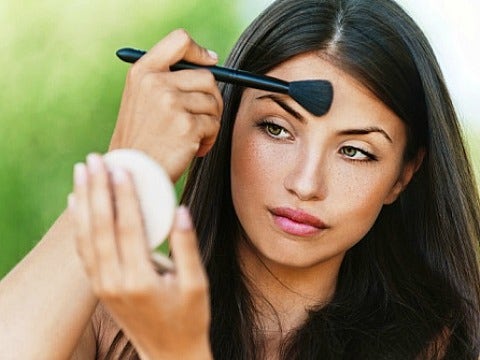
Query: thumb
point(185, 251)
point(176, 46)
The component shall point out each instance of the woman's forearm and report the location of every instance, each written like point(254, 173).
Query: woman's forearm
point(45, 301)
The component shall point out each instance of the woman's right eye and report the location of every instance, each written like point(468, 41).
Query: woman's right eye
point(273, 130)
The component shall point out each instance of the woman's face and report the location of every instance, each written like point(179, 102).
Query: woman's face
point(307, 188)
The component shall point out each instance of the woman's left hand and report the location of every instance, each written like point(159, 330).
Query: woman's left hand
point(165, 316)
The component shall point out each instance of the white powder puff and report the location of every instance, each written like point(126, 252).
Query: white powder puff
point(155, 192)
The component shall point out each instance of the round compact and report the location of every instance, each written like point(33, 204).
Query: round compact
point(155, 192)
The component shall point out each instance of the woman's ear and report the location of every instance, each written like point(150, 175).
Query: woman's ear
point(409, 169)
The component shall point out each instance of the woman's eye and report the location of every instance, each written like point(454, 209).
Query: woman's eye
point(354, 153)
point(274, 130)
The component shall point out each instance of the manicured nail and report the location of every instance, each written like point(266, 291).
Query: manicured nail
point(212, 54)
point(119, 175)
point(183, 221)
point(94, 162)
point(80, 174)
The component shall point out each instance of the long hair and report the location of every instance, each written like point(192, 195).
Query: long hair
point(411, 287)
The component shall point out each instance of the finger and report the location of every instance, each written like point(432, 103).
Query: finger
point(174, 47)
point(199, 103)
point(205, 147)
point(183, 242)
point(209, 130)
point(130, 228)
point(81, 215)
point(198, 81)
point(102, 220)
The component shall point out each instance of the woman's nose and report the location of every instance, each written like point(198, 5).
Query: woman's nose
point(307, 177)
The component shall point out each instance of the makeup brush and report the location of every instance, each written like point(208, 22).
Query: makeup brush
point(313, 95)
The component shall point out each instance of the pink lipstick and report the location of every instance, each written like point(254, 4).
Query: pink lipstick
point(296, 222)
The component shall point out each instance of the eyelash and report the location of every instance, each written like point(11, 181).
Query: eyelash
point(369, 156)
point(265, 123)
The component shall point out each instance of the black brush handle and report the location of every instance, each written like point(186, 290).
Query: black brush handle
point(231, 76)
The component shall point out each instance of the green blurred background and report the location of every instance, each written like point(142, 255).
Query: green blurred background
point(61, 86)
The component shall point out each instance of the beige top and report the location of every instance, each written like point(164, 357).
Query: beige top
point(111, 343)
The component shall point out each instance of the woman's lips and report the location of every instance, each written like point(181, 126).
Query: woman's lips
point(296, 222)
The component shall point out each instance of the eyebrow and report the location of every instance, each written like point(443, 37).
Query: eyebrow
point(279, 100)
point(363, 131)
point(366, 131)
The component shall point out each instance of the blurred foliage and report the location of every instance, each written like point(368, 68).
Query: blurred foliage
point(61, 86)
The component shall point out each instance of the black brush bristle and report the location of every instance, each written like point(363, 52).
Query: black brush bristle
point(316, 96)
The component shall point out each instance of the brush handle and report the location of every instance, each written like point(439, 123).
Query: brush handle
point(223, 74)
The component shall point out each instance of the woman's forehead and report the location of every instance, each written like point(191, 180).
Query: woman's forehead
point(347, 91)
point(353, 104)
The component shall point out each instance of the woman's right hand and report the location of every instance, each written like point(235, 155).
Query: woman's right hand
point(171, 116)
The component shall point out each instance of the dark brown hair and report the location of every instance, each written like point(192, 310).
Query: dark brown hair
point(410, 288)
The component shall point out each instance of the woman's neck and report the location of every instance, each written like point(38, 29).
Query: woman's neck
point(283, 295)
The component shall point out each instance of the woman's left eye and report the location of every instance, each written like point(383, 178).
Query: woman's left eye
point(354, 153)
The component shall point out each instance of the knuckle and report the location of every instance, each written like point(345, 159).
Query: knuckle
point(212, 99)
point(135, 72)
point(148, 80)
point(110, 288)
point(105, 290)
point(136, 289)
point(127, 228)
point(107, 293)
point(218, 109)
point(212, 126)
point(187, 124)
point(101, 210)
point(106, 256)
point(216, 126)
point(220, 105)
point(182, 36)
point(169, 100)
point(100, 228)
point(208, 78)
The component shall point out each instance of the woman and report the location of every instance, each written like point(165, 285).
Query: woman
point(350, 235)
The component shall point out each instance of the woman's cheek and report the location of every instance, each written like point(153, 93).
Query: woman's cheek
point(357, 197)
point(255, 164)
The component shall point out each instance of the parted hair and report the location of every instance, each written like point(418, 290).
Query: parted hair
point(410, 288)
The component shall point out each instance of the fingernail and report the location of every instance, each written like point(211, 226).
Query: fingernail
point(94, 162)
point(119, 175)
point(183, 221)
point(212, 54)
point(80, 174)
